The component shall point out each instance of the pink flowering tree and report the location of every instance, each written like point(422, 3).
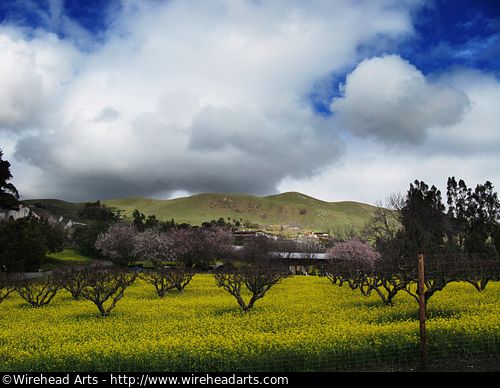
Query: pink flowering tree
point(157, 246)
point(361, 267)
point(199, 247)
point(355, 253)
point(117, 243)
point(164, 250)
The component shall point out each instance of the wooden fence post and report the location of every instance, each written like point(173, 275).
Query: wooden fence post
point(422, 312)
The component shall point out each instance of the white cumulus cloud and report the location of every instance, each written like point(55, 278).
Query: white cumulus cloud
point(389, 99)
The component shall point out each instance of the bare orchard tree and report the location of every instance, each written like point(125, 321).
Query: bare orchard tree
point(257, 270)
point(165, 279)
point(73, 280)
point(106, 286)
point(8, 282)
point(390, 276)
point(39, 292)
point(256, 280)
point(117, 243)
point(181, 277)
point(444, 268)
point(385, 223)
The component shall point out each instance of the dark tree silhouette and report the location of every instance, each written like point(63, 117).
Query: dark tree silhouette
point(9, 195)
point(23, 245)
point(96, 211)
point(473, 218)
point(423, 219)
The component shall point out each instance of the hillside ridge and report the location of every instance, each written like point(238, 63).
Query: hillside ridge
point(289, 210)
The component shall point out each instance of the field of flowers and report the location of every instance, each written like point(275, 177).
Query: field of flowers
point(303, 324)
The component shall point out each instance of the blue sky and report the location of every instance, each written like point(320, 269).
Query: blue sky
point(335, 99)
point(449, 33)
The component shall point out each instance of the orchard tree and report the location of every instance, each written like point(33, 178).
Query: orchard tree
point(105, 287)
point(117, 243)
point(9, 195)
point(156, 246)
point(199, 247)
point(161, 249)
point(361, 267)
point(352, 262)
point(256, 271)
point(8, 283)
point(39, 292)
point(355, 252)
point(73, 280)
point(165, 279)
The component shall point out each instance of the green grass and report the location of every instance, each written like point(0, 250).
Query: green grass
point(303, 324)
point(290, 209)
point(65, 258)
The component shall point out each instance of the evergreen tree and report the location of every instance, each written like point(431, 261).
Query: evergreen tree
point(9, 195)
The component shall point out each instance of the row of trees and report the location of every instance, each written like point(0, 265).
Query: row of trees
point(421, 222)
point(124, 245)
point(253, 268)
point(252, 271)
point(461, 242)
point(102, 286)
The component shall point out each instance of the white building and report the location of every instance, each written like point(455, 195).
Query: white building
point(23, 212)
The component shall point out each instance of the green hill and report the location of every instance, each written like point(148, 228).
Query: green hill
point(289, 210)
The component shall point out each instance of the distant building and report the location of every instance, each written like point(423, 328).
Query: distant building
point(71, 224)
point(303, 262)
point(243, 235)
point(23, 212)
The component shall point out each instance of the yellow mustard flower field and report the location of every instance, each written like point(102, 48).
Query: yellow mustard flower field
point(303, 324)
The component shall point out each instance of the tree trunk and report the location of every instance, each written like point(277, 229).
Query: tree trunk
point(102, 310)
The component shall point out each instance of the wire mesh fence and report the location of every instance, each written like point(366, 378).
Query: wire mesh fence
point(341, 320)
